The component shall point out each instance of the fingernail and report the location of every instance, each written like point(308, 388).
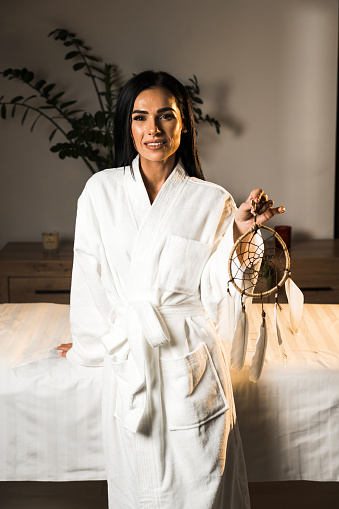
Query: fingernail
point(282, 209)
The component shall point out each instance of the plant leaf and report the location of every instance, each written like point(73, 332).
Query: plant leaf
point(30, 97)
point(17, 98)
point(99, 118)
point(53, 32)
point(72, 54)
point(93, 58)
point(75, 111)
point(68, 103)
point(6, 72)
point(52, 134)
point(34, 123)
point(48, 88)
point(78, 66)
point(56, 97)
point(27, 76)
point(198, 111)
point(72, 134)
point(109, 140)
point(24, 117)
point(40, 84)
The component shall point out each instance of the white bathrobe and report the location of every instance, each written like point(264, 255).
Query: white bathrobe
point(147, 283)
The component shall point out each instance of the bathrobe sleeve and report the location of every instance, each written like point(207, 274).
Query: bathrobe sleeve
point(89, 309)
point(219, 304)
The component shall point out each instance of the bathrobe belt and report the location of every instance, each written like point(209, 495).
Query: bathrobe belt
point(136, 326)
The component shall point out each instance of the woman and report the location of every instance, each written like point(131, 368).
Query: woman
point(150, 270)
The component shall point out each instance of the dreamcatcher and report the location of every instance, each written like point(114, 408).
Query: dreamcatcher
point(259, 266)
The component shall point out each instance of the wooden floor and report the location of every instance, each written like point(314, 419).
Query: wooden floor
point(93, 495)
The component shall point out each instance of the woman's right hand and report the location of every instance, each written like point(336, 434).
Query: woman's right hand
point(64, 348)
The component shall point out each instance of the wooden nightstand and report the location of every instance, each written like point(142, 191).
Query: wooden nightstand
point(27, 274)
point(315, 269)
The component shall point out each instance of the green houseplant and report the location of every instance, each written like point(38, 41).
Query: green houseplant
point(85, 135)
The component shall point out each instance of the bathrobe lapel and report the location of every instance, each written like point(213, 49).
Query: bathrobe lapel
point(149, 220)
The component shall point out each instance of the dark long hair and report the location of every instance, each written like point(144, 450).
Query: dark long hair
point(125, 151)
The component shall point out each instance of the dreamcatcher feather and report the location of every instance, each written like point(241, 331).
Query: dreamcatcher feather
point(258, 266)
point(240, 339)
point(278, 333)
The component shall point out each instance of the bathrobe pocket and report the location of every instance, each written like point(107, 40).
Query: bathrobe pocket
point(193, 393)
point(181, 264)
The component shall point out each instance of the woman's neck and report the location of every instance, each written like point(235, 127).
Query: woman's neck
point(154, 174)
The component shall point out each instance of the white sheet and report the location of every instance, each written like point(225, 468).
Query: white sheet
point(289, 420)
point(50, 409)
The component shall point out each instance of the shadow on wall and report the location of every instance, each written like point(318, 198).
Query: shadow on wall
point(219, 105)
point(223, 112)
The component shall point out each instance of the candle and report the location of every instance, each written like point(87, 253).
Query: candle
point(285, 233)
point(50, 242)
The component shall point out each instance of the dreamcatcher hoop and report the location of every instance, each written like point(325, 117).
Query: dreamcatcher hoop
point(258, 266)
point(274, 261)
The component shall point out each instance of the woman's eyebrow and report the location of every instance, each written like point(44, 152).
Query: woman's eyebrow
point(167, 108)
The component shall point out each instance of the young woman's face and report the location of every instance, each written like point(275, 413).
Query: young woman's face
point(156, 125)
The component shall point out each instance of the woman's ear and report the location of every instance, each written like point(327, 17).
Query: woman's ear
point(183, 125)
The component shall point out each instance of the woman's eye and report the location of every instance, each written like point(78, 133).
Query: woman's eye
point(139, 117)
point(167, 116)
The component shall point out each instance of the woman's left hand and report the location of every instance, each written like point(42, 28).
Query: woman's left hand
point(63, 349)
point(259, 203)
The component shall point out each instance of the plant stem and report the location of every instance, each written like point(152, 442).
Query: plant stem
point(91, 76)
point(89, 166)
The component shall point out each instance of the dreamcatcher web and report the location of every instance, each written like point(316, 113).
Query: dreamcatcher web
point(266, 260)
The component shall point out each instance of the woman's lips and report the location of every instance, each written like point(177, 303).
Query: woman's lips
point(155, 145)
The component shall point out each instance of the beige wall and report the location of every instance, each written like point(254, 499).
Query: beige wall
point(267, 70)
